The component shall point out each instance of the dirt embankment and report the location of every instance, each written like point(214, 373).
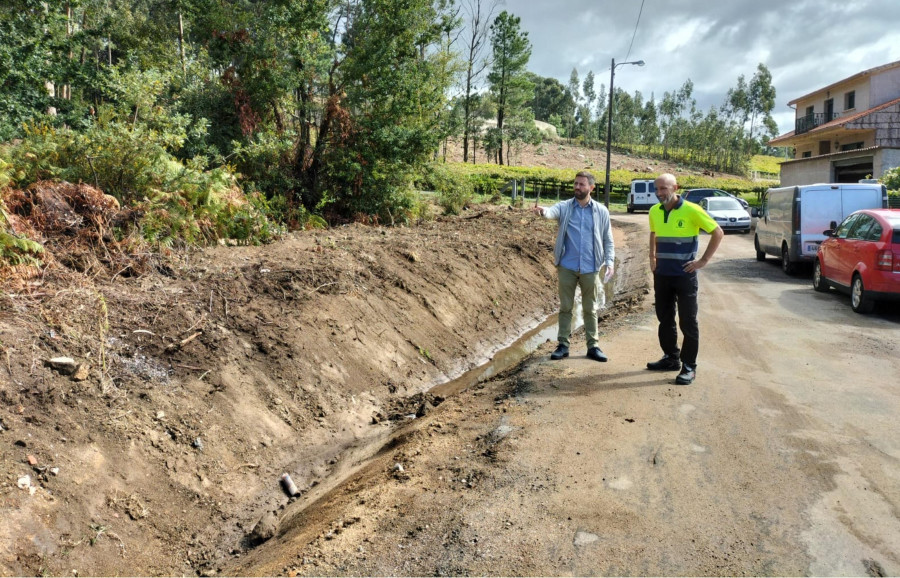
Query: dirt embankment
point(200, 382)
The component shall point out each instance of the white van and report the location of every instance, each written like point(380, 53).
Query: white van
point(792, 220)
point(642, 195)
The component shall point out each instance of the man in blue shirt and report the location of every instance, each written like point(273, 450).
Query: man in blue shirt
point(584, 244)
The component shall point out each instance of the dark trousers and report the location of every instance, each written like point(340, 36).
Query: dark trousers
point(678, 292)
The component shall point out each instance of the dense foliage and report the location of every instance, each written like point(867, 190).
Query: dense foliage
point(229, 119)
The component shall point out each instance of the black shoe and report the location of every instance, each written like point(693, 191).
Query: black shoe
point(561, 351)
point(687, 375)
point(667, 363)
point(597, 355)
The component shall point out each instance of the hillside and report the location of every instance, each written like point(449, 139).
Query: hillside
point(193, 380)
point(560, 154)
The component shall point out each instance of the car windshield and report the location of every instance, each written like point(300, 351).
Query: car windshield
point(723, 204)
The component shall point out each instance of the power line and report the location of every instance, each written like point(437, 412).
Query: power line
point(635, 31)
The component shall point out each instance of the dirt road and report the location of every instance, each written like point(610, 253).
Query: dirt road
point(782, 459)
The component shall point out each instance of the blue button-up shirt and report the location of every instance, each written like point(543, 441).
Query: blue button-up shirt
point(579, 244)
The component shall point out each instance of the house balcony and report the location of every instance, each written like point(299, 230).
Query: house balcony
point(808, 122)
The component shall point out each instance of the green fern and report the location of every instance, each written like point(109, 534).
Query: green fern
point(15, 250)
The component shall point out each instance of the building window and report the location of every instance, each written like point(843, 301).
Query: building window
point(852, 146)
point(807, 154)
point(850, 100)
point(809, 111)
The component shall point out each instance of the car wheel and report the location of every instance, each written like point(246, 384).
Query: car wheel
point(858, 299)
point(760, 255)
point(786, 265)
point(819, 282)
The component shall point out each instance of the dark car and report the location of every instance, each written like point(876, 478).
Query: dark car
point(862, 257)
point(694, 196)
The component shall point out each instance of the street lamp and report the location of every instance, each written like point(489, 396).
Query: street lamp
point(609, 115)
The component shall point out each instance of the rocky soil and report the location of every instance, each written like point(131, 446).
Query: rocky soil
point(148, 413)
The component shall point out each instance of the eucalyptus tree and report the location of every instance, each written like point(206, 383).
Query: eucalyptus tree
point(671, 110)
point(574, 90)
point(648, 124)
point(510, 88)
point(590, 94)
point(762, 101)
point(600, 112)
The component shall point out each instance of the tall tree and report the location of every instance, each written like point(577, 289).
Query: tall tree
point(574, 88)
point(648, 125)
point(510, 87)
point(589, 95)
point(479, 14)
point(600, 113)
point(550, 98)
point(762, 101)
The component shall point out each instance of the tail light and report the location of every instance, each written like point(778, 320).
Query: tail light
point(885, 261)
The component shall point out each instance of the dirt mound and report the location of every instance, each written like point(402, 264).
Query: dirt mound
point(158, 445)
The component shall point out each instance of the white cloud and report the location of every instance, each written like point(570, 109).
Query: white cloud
point(805, 45)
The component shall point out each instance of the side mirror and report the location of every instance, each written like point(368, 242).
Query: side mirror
point(833, 225)
point(828, 232)
point(754, 212)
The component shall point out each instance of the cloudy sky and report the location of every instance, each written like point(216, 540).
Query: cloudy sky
point(806, 44)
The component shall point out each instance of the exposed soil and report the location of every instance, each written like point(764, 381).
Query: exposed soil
point(200, 378)
point(561, 154)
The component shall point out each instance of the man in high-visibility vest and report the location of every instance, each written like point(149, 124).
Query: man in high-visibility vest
point(675, 225)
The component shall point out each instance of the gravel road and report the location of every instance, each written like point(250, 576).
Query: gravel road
point(783, 458)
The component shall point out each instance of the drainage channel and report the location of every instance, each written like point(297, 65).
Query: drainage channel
point(358, 454)
point(511, 355)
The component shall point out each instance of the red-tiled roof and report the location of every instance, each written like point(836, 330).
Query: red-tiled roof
point(835, 153)
point(855, 77)
point(841, 121)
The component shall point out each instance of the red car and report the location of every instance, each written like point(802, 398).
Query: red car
point(862, 257)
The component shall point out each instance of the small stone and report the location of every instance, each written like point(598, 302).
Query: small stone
point(583, 538)
point(265, 528)
point(24, 482)
point(82, 373)
point(160, 414)
point(64, 365)
point(398, 467)
point(54, 471)
point(32, 461)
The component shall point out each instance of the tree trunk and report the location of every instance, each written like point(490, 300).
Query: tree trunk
point(181, 44)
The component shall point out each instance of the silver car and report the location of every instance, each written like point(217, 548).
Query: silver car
point(728, 213)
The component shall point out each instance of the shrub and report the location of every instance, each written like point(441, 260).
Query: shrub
point(891, 179)
point(179, 203)
point(455, 192)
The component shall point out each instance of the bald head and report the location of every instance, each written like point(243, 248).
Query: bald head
point(666, 178)
point(666, 185)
